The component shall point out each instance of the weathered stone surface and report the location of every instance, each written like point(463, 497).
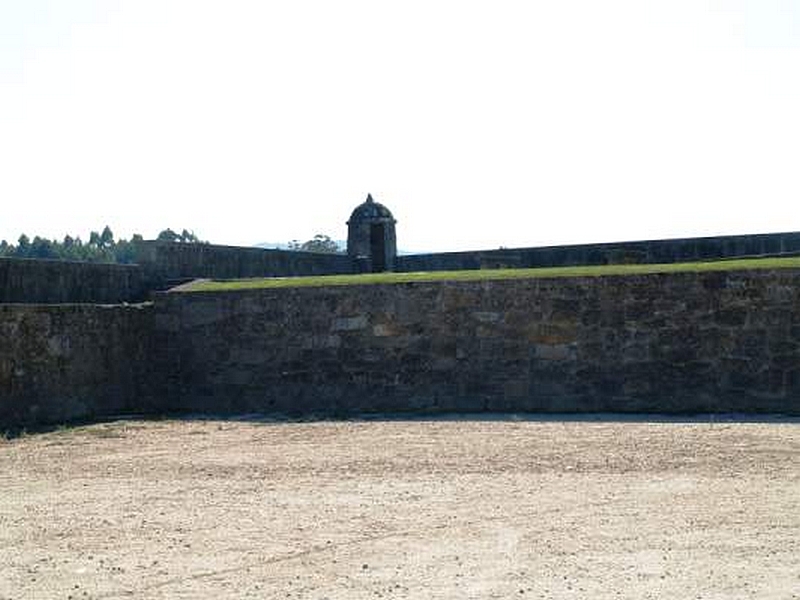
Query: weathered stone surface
point(165, 261)
point(61, 281)
point(68, 362)
point(350, 323)
point(647, 251)
point(669, 343)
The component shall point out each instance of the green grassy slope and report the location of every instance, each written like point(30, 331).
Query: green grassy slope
point(488, 274)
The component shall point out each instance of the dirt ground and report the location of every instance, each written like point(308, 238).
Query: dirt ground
point(450, 508)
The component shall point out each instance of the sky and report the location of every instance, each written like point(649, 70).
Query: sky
point(480, 124)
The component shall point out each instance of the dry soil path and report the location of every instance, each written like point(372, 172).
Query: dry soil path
point(453, 508)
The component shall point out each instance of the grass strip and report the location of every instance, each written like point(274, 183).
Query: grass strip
point(211, 285)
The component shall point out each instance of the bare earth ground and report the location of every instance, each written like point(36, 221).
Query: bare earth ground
point(452, 508)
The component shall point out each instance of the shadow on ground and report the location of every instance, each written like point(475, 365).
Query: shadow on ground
point(386, 417)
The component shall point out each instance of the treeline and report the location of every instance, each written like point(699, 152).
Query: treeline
point(101, 247)
point(320, 243)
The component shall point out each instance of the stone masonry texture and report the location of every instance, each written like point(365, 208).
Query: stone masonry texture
point(61, 363)
point(61, 281)
point(163, 264)
point(647, 251)
point(664, 343)
point(661, 343)
point(169, 261)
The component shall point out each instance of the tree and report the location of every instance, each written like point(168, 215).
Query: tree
point(185, 237)
point(23, 246)
point(320, 243)
point(42, 248)
point(168, 235)
point(101, 247)
point(125, 252)
point(107, 238)
point(189, 237)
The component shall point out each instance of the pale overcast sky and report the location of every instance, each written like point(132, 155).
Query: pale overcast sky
point(478, 123)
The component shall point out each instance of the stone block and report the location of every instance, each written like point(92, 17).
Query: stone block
point(732, 316)
point(555, 352)
point(488, 317)
point(350, 323)
point(514, 389)
point(383, 330)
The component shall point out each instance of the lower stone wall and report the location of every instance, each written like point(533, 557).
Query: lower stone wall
point(60, 281)
point(68, 362)
point(666, 343)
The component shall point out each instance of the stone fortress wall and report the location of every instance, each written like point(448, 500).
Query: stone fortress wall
point(647, 252)
point(60, 281)
point(161, 264)
point(61, 363)
point(72, 346)
point(168, 261)
point(665, 343)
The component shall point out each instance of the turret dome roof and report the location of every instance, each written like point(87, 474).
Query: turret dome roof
point(371, 211)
